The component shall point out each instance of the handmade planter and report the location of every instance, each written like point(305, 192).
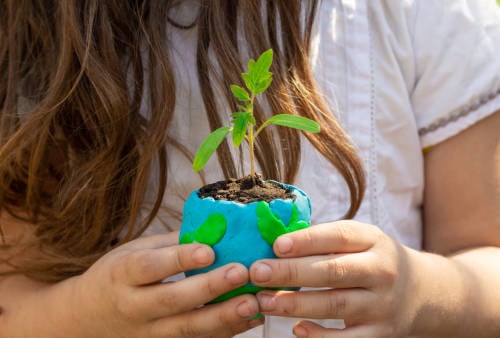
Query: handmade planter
point(244, 231)
point(240, 232)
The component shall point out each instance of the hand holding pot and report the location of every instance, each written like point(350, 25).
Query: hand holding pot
point(367, 278)
point(121, 294)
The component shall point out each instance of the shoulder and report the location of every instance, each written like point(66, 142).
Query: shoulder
point(445, 52)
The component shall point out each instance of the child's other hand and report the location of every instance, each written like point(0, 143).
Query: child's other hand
point(365, 277)
point(121, 295)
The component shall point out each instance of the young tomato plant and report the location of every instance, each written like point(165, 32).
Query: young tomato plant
point(257, 80)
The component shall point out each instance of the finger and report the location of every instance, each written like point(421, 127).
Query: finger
point(327, 238)
point(308, 329)
point(350, 304)
point(235, 315)
point(168, 299)
point(339, 271)
point(148, 266)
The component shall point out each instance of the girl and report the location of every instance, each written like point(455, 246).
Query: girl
point(103, 104)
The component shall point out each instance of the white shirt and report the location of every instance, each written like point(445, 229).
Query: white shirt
point(401, 75)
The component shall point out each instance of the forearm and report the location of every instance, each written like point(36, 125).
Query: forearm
point(459, 294)
point(33, 309)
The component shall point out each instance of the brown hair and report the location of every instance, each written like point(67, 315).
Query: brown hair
point(76, 152)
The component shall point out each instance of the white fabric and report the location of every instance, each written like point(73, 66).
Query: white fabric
point(401, 74)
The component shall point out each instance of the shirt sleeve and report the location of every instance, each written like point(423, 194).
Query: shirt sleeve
point(457, 65)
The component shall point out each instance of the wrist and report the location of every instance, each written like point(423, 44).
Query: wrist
point(70, 307)
point(60, 306)
point(36, 309)
point(441, 294)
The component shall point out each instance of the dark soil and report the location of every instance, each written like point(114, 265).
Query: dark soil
point(245, 190)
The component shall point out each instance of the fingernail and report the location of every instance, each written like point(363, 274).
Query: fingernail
point(284, 244)
point(263, 272)
point(235, 276)
point(245, 310)
point(266, 302)
point(300, 331)
point(202, 255)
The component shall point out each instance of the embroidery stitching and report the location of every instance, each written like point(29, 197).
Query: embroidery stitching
point(373, 151)
point(440, 123)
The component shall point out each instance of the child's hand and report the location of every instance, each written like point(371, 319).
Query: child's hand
point(121, 294)
point(367, 279)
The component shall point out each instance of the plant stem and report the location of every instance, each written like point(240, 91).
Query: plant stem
point(251, 139)
point(251, 149)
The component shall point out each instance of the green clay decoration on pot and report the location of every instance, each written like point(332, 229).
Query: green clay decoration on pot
point(209, 233)
point(271, 227)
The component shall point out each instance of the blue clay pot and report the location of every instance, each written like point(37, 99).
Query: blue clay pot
point(241, 241)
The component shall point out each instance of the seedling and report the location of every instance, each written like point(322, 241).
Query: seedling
point(243, 127)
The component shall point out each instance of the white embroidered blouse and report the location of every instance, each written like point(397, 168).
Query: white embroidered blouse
point(402, 76)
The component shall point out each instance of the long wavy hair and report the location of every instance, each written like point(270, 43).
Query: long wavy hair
point(75, 151)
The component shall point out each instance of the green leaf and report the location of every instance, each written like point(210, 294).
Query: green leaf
point(239, 130)
point(248, 81)
point(293, 121)
point(212, 230)
point(251, 66)
point(240, 93)
point(240, 123)
point(270, 226)
point(240, 115)
point(251, 120)
point(208, 147)
point(243, 115)
point(262, 85)
point(258, 78)
point(264, 61)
